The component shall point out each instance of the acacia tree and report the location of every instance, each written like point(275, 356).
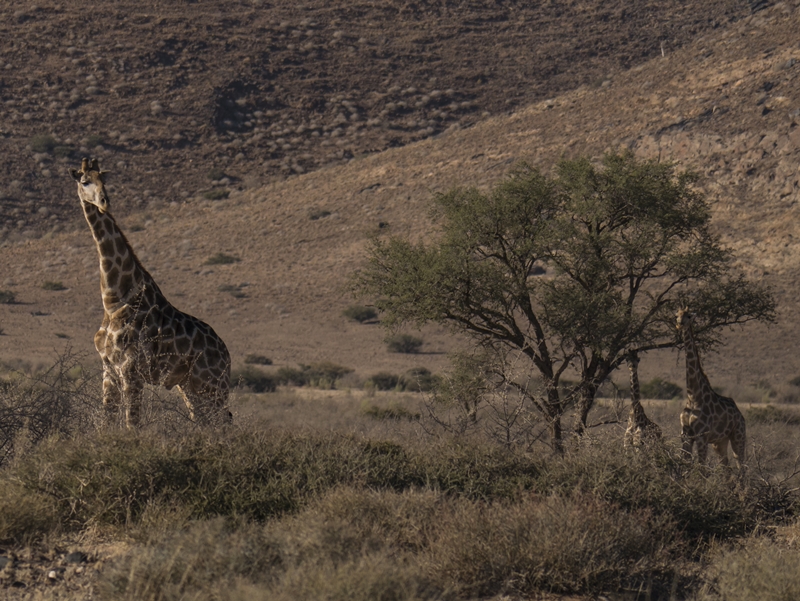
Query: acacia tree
point(624, 245)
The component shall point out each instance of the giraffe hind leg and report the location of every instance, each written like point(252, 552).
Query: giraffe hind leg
point(722, 450)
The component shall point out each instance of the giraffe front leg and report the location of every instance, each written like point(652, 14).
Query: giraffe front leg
point(132, 394)
point(702, 449)
point(112, 395)
point(687, 441)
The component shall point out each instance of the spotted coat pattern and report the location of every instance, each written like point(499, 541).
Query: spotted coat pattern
point(143, 339)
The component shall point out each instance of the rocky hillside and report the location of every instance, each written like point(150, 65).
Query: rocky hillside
point(187, 98)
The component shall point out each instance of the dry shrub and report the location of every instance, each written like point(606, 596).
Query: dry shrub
point(565, 544)
point(25, 515)
point(204, 560)
point(375, 577)
point(759, 569)
point(62, 400)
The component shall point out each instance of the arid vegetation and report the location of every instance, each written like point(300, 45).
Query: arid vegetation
point(411, 510)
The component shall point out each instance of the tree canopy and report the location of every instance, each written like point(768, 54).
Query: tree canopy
point(570, 270)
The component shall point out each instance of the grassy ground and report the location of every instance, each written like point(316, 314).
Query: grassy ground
point(346, 494)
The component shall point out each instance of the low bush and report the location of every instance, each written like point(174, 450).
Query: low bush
point(56, 286)
point(573, 544)
point(660, 389)
point(360, 313)
point(253, 359)
point(43, 143)
point(404, 343)
point(323, 375)
point(419, 379)
point(221, 259)
point(393, 411)
point(760, 570)
point(254, 380)
point(770, 414)
point(382, 381)
point(216, 194)
point(7, 297)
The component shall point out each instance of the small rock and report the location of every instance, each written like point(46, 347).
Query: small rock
point(52, 574)
point(4, 561)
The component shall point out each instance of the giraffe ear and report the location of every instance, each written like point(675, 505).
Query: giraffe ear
point(75, 174)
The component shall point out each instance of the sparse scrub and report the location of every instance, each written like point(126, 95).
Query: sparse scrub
point(216, 194)
point(770, 414)
point(62, 400)
point(221, 259)
point(93, 140)
point(7, 297)
point(360, 313)
point(565, 544)
point(383, 381)
point(43, 143)
point(234, 291)
point(215, 174)
point(54, 286)
point(419, 379)
point(254, 359)
point(315, 214)
point(760, 570)
point(404, 343)
point(660, 389)
point(393, 411)
point(318, 375)
point(254, 380)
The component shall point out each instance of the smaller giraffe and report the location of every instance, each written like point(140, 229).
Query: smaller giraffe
point(708, 418)
point(641, 429)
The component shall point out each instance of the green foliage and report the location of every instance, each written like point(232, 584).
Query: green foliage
point(254, 379)
point(216, 194)
point(404, 343)
point(7, 297)
point(55, 286)
point(43, 143)
point(221, 259)
point(253, 359)
point(627, 242)
point(360, 313)
point(658, 388)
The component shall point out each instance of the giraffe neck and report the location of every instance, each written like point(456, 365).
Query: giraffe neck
point(122, 276)
point(635, 392)
point(696, 381)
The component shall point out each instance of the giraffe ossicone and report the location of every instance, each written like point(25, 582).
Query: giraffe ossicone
point(641, 429)
point(143, 339)
point(708, 418)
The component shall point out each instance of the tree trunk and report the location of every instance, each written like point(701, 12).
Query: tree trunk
point(554, 412)
point(585, 405)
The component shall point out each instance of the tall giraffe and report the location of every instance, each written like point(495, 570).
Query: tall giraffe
point(708, 418)
point(143, 338)
point(641, 429)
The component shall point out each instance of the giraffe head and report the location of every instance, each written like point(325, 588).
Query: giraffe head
point(91, 186)
point(633, 357)
point(684, 320)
